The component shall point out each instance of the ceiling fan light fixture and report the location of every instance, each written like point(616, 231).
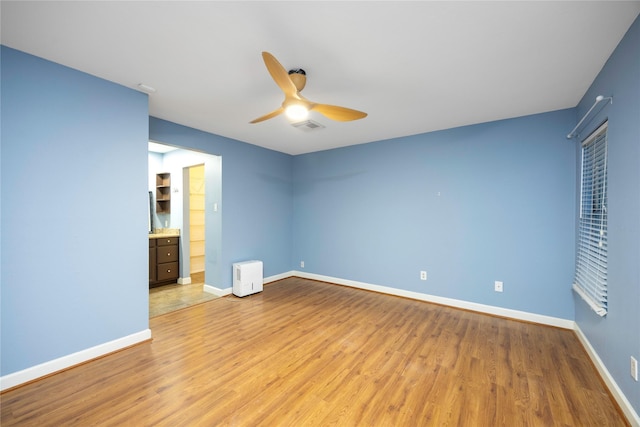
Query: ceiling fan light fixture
point(295, 106)
point(296, 112)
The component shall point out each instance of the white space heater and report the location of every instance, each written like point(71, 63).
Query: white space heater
point(247, 278)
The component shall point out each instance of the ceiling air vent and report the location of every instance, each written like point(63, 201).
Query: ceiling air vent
point(307, 125)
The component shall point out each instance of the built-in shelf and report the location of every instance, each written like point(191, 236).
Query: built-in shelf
point(163, 193)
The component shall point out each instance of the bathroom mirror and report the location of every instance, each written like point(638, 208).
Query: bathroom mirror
point(150, 216)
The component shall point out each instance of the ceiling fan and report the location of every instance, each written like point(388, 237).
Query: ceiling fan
point(296, 106)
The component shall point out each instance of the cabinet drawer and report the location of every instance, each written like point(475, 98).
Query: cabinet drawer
point(165, 241)
point(167, 253)
point(167, 271)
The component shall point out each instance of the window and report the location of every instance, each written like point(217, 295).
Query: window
point(591, 261)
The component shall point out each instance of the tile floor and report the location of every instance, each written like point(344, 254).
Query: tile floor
point(172, 297)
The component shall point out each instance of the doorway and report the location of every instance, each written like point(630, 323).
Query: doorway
point(196, 186)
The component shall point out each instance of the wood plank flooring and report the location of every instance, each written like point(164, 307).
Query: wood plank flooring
point(306, 353)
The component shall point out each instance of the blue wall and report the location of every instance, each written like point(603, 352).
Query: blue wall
point(617, 336)
point(74, 207)
point(470, 205)
point(256, 197)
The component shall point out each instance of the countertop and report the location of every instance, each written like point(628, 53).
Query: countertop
point(165, 232)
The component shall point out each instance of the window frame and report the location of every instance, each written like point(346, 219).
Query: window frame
point(590, 280)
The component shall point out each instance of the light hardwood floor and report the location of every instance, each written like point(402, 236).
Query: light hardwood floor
point(306, 353)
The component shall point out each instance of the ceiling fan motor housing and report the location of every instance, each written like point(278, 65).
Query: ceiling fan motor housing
point(299, 78)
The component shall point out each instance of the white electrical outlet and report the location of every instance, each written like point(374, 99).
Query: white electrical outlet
point(497, 286)
point(301, 264)
point(634, 368)
point(423, 275)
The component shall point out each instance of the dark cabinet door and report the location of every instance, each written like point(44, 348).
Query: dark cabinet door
point(153, 263)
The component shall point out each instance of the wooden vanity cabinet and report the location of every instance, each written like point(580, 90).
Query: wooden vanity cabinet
point(166, 261)
point(153, 263)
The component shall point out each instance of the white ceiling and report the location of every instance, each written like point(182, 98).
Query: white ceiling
point(414, 66)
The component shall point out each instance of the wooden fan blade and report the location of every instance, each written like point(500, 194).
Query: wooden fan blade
point(268, 116)
point(279, 74)
point(340, 114)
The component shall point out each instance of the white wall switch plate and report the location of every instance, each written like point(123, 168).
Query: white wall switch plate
point(497, 286)
point(634, 368)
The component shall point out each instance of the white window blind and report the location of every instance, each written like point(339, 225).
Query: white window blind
point(591, 261)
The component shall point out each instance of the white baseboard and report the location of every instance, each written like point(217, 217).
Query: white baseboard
point(278, 277)
point(482, 308)
point(625, 405)
point(227, 291)
point(184, 280)
point(216, 291)
point(65, 362)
